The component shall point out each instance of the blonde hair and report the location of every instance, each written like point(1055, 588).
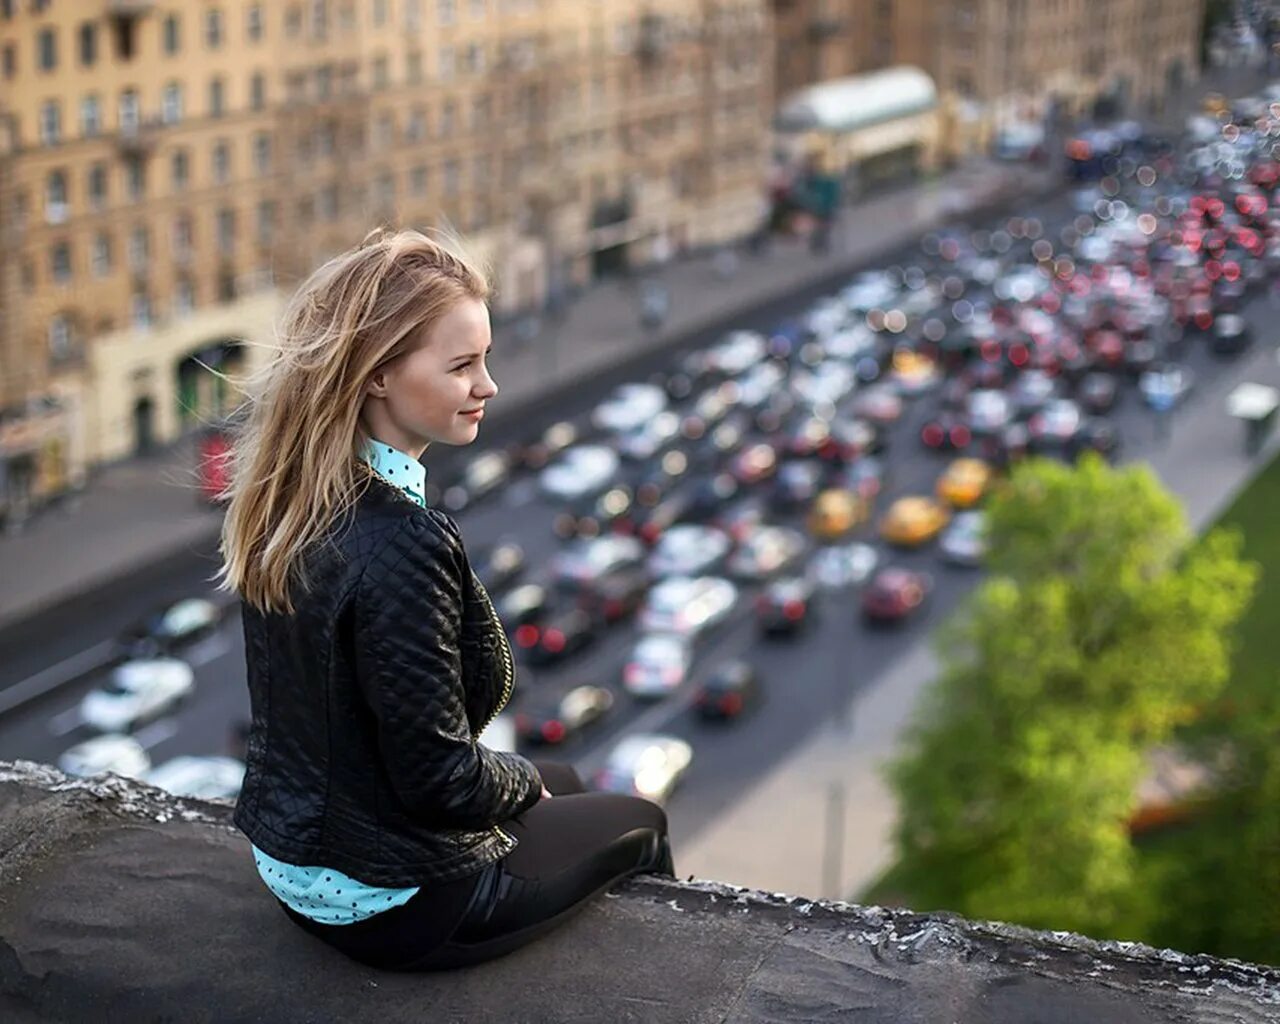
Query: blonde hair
point(294, 464)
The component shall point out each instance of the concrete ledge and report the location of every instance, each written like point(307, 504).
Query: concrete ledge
point(119, 903)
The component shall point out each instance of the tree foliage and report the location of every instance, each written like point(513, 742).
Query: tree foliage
point(1101, 628)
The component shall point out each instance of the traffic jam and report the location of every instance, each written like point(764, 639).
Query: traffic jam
point(831, 467)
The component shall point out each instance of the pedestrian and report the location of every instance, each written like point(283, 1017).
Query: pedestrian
point(374, 656)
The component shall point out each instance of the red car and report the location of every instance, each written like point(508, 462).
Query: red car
point(894, 594)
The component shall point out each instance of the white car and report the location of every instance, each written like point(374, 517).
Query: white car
point(588, 558)
point(689, 550)
point(650, 437)
point(758, 384)
point(688, 605)
point(870, 290)
point(138, 690)
point(737, 353)
point(650, 765)
point(766, 551)
point(629, 406)
point(826, 382)
point(585, 469)
point(843, 565)
point(110, 753)
point(988, 410)
point(658, 665)
point(203, 778)
point(964, 541)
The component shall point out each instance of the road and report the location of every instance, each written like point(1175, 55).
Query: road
point(809, 681)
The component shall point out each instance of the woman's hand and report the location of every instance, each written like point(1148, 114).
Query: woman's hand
point(546, 793)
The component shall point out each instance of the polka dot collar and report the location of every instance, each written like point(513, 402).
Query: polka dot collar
point(404, 471)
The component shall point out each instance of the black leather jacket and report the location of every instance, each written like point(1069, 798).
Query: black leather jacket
point(366, 699)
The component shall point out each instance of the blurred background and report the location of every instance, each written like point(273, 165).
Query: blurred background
point(785, 289)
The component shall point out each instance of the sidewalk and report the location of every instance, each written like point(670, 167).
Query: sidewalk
point(142, 510)
point(1203, 463)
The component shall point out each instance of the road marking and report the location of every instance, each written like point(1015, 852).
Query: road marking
point(157, 732)
point(207, 650)
point(51, 678)
point(66, 722)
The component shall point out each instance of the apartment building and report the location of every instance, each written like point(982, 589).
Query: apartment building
point(168, 170)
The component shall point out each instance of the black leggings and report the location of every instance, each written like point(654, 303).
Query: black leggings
point(570, 848)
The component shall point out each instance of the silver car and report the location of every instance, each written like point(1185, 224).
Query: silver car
point(649, 765)
point(689, 550)
point(964, 542)
point(688, 605)
point(585, 469)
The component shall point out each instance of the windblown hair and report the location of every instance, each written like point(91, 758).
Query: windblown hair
point(295, 467)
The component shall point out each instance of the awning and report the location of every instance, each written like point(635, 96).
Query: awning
point(848, 104)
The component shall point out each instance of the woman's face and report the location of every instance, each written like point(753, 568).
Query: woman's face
point(438, 390)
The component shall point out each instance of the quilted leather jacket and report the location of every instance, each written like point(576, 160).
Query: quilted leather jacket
point(366, 701)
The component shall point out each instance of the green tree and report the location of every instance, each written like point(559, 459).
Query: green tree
point(1101, 628)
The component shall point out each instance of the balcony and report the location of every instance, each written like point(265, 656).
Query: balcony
point(652, 40)
point(138, 139)
point(823, 29)
point(129, 8)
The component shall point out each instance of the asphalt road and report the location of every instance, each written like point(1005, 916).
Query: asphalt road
point(807, 680)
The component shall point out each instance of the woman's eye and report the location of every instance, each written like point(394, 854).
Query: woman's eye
point(458, 369)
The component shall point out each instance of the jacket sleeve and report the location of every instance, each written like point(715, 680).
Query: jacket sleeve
point(408, 615)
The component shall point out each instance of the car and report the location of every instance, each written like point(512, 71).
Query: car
point(754, 464)
point(111, 752)
point(136, 692)
point(947, 431)
point(1095, 435)
point(730, 691)
point(483, 474)
point(742, 515)
point(629, 406)
point(964, 541)
point(212, 777)
point(650, 523)
point(689, 550)
point(1031, 390)
point(588, 558)
point(562, 631)
point(524, 605)
point(894, 594)
point(765, 552)
point(555, 439)
point(498, 565)
point(865, 476)
point(1231, 335)
point(1097, 392)
point(987, 412)
point(174, 625)
point(1056, 425)
point(786, 605)
point(796, 483)
point(647, 439)
point(835, 513)
point(840, 566)
point(964, 483)
point(552, 722)
point(657, 665)
point(688, 605)
point(912, 521)
point(737, 353)
point(650, 765)
point(878, 404)
point(611, 596)
point(594, 514)
point(1166, 386)
point(583, 469)
point(913, 373)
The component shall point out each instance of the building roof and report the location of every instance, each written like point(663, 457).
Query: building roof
point(118, 902)
point(847, 104)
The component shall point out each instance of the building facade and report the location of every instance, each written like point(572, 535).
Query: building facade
point(169, 170)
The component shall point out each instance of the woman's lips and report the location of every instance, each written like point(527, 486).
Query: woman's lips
point(474, 413)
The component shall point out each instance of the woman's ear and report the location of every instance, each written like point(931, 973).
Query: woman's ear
point(376, 386)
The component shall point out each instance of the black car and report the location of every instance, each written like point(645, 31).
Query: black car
point(786, 606)
point(562, 631)
point(1230, 335)
point(611, 596)
point(650, 523)
point(796, 484)
point(946, 432)
point(498, 565)
point(710, 495)
point(482, 475)
point(1097, 435)
point(1097, 392)
point(1139, 357)
point(590, 515)
point(729, 692)
point(551, 722)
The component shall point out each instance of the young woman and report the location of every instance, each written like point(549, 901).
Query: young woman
point(374, 655)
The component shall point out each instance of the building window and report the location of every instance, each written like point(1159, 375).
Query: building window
point(253, 23)
point(327, 202)
point(448, 118)
point(226, 231)
point(135, 176)
point(386, 190)
point(46, 49)
point(98, 186)
point(478, 8)
point(416, 129)
point(50, 122)
point(216, 97)
point(418, 180)
point(266, 222)
point(413, 67)
point(413, 15)
point(100, 255)
point(88, 44)
point(171, 105)
point(381, 73)
point(226, 286)
point(139, 249)
point(446, 12)
point(182, 238)
point(379, 13)
point(130, 114)
point(213, 28)
point(180, 170)
point(319, 19)
point(452, 177)
point(55, 197)
point(9, 60)
point(481, 111)
point(262, 153)
point(325, 143)
point(383, 131)
point(60, 342)
point(184, 297)
point(324, 82)
point(90, 116)
point(140, 310)
point(293, 22)
point(475, 59)
point(221, 163)
point(60, 262)
point(258, 91)
point(445, 68)
point(172, 38)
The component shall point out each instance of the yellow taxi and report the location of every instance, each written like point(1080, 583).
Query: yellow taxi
point(835, 512)
point(913, 521)
point(1215, 104)
point(964, 483)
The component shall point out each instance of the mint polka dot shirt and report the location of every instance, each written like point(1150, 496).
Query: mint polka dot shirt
point(321, 893)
